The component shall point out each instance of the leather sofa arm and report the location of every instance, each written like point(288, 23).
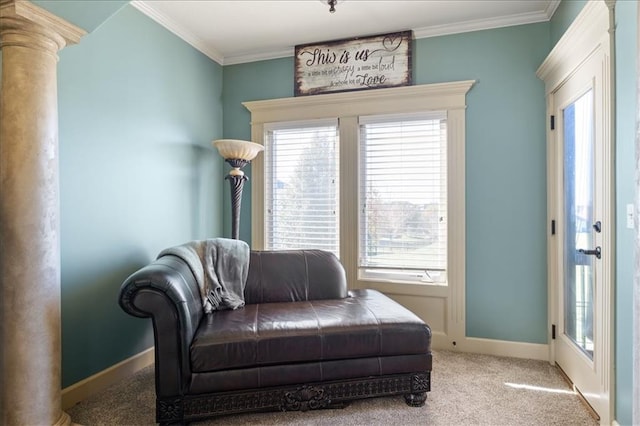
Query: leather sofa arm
point(167, 292)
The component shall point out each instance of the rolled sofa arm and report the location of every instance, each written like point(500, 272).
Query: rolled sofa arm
point(167, 292)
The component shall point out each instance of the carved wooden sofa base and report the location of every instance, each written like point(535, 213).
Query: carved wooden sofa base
point(335, 394)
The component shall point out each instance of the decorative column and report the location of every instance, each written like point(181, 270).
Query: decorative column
point(30, 38)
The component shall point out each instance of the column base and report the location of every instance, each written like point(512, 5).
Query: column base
point(64, 420)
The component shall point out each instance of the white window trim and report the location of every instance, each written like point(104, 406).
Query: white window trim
point(303, 126)
point(347, 107)
point(398, 275)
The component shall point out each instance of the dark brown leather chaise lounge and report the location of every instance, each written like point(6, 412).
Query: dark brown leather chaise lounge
point(301, 341)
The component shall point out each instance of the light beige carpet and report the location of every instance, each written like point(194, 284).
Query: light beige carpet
point(467, 389)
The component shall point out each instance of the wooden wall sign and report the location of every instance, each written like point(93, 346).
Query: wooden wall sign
point(355, 64)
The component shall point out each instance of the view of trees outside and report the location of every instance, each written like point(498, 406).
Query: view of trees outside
point(303, 201)
point(403, 176)
point(403, 196)
point(579, 273)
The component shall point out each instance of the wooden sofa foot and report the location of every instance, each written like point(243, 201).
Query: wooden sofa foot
point(415, 399)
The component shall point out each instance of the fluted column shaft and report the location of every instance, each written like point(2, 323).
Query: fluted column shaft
point(29, 214)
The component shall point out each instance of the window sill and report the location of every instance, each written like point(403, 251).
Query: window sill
point(405, 288)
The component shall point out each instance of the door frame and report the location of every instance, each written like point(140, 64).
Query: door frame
point(591, 33)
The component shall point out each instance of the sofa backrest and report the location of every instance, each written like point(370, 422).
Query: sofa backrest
point(294, 275)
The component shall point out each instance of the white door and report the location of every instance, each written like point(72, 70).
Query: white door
point(583, 236)
point(578, 76)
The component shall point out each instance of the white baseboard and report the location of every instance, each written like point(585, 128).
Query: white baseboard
point(83, 389)
point(496, 347)
point(91, 385)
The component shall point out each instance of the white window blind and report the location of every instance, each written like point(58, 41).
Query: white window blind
point(301, 186)
point(403, 197)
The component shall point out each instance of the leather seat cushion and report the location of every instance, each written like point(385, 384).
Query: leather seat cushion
point(366, 324)
point(308, 372)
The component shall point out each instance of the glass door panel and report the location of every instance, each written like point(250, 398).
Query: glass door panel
point(578, 119)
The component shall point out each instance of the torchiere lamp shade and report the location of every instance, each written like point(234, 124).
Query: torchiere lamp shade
point(237, 153)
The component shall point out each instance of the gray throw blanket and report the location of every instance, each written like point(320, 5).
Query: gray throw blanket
point(220, 267)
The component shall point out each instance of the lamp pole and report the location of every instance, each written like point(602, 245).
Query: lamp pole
point(236, 183)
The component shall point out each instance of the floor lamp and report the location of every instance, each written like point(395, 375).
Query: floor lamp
point(238, 154)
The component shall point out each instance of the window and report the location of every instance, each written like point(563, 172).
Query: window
point(403, 197)
point(415, 234)
point(301, 186)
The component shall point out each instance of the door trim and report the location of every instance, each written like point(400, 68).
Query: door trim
point(591, 33)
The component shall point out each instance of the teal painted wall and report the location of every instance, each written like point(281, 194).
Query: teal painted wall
point(138, 108)
point(506, 286)
point(250, 82)
point(86, 14)
point(626, 57)
point(506, 189)
point(563, 17)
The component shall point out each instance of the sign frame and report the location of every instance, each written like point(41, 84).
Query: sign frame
point(360, 63)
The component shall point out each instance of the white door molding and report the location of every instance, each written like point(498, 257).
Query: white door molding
point(589, 39)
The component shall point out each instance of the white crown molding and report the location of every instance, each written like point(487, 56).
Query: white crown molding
point(182, 32)
point(481, 24)
point(576, 44)
point(262, 56)
point(433, 31)
point(551, 8)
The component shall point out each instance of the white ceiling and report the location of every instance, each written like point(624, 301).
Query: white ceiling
point(237, 31)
